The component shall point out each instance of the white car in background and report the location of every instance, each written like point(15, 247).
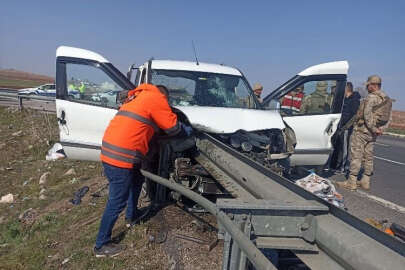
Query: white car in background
point(42, 90)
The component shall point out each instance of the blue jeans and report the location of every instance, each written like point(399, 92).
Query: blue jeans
point(124, 188)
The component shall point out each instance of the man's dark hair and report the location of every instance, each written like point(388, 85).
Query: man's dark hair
point(349, 86)
point(163, 89)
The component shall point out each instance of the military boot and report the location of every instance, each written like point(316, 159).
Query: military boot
point(365, 182)
point(349, 184)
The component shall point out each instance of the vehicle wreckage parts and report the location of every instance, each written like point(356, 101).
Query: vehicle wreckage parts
point(281, 215)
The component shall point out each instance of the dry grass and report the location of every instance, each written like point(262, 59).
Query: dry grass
point(58, 235)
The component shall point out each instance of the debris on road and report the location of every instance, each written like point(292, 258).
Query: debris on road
point(398, 230)
point(9, 198)
point(322, 188)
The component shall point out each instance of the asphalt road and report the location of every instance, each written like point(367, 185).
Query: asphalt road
point(388, 181)
point(386, 199)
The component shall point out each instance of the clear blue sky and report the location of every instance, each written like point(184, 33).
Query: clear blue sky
point(269, 41)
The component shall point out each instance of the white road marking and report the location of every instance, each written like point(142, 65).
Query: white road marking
point(389, 160)
point(382, 144)
point(386, 203)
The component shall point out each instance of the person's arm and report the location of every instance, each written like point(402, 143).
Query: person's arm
point(369, 117)
point(163, 116)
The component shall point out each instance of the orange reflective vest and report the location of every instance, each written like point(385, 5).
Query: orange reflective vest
point(126, 139)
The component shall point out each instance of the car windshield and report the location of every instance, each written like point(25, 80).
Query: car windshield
point(192, 88)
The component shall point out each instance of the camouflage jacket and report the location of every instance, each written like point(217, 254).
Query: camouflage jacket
point(367, 122)
point(317, 102)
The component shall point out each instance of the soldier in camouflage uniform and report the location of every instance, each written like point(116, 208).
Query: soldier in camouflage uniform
point(317, 102)
point(366, 129)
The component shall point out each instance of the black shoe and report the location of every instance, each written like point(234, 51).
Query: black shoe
point(108, 250)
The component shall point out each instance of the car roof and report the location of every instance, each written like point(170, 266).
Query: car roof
point(193, 66)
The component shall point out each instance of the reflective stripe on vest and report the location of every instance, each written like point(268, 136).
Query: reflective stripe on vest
point(119, 157)
point(139, 118)
point(119, 149)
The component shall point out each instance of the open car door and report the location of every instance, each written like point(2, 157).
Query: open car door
point(83, 117)
point(310, 104)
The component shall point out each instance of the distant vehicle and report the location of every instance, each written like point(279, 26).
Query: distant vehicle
point(107, 97)
point(42, 90)
point(48, 90)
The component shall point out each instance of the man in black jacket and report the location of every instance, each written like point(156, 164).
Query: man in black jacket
point(351, 104)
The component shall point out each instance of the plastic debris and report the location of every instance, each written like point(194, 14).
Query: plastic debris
point(9, 198)
point(56, 152)
point(322, 188)
point(79, 195)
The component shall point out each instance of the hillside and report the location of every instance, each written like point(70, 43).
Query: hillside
point(16, 79)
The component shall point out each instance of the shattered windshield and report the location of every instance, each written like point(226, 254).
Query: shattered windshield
point(191, 88)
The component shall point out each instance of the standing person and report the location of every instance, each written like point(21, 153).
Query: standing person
point(82, 89)
point(257, 90)
point(124, 145)
point(372, 119)
point(292, 101)
point(351, 104)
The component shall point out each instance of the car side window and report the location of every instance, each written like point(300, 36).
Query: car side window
point(313, 97)
point(90, 85)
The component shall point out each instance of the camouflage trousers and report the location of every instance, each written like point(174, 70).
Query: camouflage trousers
point(361, 152)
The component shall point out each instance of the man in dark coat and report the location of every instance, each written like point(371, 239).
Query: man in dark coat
point(351, 104)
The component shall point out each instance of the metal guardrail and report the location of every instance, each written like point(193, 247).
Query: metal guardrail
point(282, 215)
point(20, 97)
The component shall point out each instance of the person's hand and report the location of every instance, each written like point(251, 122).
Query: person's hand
point(379, 132)
point(187, 129)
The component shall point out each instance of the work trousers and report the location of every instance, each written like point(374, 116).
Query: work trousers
point(346, 151)
point(124, 189)
point(361, 152)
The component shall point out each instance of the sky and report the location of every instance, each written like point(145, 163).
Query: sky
point(270, 41)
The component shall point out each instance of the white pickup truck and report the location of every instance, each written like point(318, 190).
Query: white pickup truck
point(216, 99)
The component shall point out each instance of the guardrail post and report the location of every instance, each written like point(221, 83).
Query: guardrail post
point(20, 103)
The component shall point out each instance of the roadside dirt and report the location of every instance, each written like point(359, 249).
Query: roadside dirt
point(42, 229)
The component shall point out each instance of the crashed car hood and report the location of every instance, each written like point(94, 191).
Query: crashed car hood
point(229, 120)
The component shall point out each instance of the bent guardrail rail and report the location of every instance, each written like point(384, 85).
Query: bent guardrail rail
point(255, 256)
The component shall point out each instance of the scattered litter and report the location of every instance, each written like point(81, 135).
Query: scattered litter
point(398, 231)
point(9, 168)
point(25, 182)
point(42, 191)
point(70, 172)
point(30, 146)
point(74, 180)
point(92, 166)
point(79, 195)
point(322, 188)
point(44, 178)
point(18, 133)
point(56, 152)
point(26, 198)
point(9, 198)
point(65, 261)
point(42, 197)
